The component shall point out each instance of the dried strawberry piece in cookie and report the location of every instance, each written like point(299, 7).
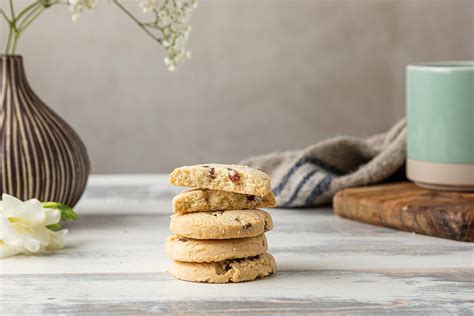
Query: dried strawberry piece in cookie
point(233, 175)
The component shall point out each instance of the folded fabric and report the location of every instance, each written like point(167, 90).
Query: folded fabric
point(312, 176)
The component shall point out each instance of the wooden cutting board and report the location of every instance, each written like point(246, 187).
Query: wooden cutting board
point(407, 207)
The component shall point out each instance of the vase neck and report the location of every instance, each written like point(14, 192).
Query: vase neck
point(11, 70)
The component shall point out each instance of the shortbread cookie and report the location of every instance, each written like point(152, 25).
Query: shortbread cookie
point(221, 224)
point(205, 200)
point(207, 250)
point(235, 270)
point(232, 178)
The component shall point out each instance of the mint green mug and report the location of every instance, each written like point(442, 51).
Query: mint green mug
point(440, 124)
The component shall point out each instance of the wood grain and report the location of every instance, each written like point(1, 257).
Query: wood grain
point(114, 262)
point(407, 207)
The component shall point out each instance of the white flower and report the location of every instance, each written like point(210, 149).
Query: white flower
point(77, 6)
point(171, 19)
point(148, 5)
point(23, 227)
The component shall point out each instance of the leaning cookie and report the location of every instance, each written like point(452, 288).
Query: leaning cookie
point(192, 250)
point(235, 270)
point(221, 224)
point(232, 178)
point(205, 200)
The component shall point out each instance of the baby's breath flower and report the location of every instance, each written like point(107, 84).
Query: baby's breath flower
point(171, 19)
point(148, 5)
point(77, 6)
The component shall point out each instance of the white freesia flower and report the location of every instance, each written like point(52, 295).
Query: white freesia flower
point(23, 227)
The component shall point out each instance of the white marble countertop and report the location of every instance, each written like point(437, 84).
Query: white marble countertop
point(114, 262)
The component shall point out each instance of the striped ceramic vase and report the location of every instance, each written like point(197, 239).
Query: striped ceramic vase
point(40, 155)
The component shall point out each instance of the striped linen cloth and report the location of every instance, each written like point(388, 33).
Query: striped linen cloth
point(312, 176)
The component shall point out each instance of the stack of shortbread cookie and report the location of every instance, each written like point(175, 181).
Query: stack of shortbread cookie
point(218, 228)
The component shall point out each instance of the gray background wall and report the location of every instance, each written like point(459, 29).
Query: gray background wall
point(265, 76)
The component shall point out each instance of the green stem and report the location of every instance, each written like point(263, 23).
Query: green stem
point(25, 25)
point(26, 22)
point(12, 10)
point(20, 22)
point(7, 19)
point(137, 21)
point(25, 10)
point(11, 30)
point(32, 10)
point(9, 38)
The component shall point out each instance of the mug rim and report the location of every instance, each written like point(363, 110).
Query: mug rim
point(445, 66)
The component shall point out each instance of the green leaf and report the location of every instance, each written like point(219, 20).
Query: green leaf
point(54, 227)
point(67, 214)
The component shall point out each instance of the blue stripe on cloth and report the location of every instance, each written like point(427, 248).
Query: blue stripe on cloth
point(298, 188)
point(297, 165)
point(322, 187)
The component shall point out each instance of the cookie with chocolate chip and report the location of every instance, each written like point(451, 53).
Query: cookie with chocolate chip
point(205, 200)
point(231, 178)
point(221, 224)
point(211, 250)
point(235, 270)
